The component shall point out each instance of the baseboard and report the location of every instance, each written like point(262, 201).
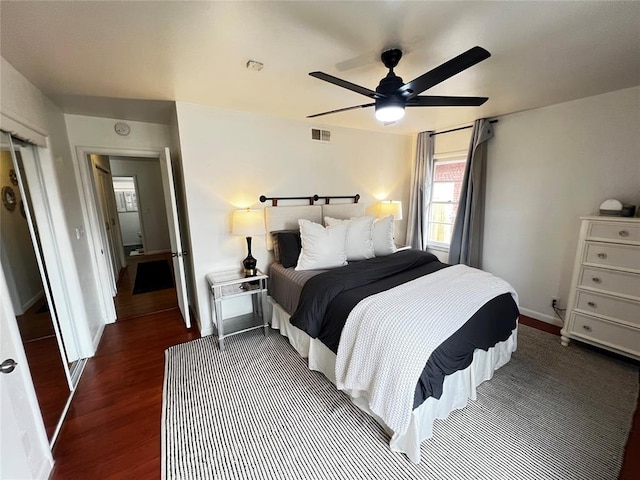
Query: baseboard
point(31, 302)
point(205, 332)
point(542, 317)
point(97, 338)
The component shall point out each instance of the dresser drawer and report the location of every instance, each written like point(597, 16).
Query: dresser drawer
point(606, 306)
point(614, 231)
point(611, 255)
point(610, 334)
point(612, 281)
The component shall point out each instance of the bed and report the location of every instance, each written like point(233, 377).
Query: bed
point(339, 319)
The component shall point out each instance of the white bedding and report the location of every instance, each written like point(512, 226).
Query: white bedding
point(458, 387)
point(389, 337)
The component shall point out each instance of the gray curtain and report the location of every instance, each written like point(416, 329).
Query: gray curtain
point(466, 239)
point(420, 194)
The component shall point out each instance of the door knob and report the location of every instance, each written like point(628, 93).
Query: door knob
point(8, 366)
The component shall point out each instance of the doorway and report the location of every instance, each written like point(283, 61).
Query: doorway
point(147, 280)
point(46, 343)
point(126, 192)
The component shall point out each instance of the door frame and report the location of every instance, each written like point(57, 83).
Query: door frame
point(92, 215)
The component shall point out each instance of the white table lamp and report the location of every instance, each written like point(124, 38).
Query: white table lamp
point(390, 207)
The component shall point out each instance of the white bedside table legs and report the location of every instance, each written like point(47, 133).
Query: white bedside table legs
point(226, 285)
point(216, 313)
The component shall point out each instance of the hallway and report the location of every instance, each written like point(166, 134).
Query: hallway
point(129, 305)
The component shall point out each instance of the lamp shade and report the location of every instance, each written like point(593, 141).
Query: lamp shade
point(390, 207)
point(247, 223)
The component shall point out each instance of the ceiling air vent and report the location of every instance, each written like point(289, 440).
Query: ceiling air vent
point(320, 135)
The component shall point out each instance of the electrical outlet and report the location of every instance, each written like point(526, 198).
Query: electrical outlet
point(554, 302)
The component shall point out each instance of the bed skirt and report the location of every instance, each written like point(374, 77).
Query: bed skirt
point(458, 387)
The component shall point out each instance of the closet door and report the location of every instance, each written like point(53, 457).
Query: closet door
point(28, 281)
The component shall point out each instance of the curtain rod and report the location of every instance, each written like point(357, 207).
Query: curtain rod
point(456, 129)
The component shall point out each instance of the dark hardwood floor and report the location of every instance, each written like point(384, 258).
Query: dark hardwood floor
point(49, 380)
point(112, 430)
point(45, 363)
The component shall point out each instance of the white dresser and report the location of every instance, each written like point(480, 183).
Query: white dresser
point(604, 301)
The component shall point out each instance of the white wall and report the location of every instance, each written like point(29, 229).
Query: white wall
point(150, 199)
point(99, 132)
point(230, 158)
point(452, 142)
point(547, 167)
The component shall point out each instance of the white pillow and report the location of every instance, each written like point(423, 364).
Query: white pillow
point(321, 247)
point(382, 235)
point(359, 242)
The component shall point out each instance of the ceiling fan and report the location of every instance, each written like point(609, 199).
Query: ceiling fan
point(392, 96)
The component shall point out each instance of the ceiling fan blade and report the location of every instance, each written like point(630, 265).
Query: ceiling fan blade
point(436, 101)
point(342, 110)
point(446, 70)
point(348, 85)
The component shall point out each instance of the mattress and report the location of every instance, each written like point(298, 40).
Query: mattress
point(285, 285)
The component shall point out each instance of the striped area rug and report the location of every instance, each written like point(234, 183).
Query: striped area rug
point(255, 411)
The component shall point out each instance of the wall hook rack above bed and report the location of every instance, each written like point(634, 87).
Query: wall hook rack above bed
point(311, 199)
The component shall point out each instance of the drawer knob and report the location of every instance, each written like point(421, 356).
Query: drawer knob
point(623, 233)
point(592, 304)
point(596, 280)
point(602, 255)
point(587, 328)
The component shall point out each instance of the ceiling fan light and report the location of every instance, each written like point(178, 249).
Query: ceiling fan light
point(389, 113)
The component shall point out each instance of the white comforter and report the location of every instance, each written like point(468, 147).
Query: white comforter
point(388, 337)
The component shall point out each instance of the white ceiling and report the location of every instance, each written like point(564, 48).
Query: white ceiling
point(88, 56)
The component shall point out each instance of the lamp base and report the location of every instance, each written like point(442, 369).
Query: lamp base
point(250, 272)
point(250, 263)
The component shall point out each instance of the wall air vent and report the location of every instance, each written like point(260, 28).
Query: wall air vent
point(320, 135)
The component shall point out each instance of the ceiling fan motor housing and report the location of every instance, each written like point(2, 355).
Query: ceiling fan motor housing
point(389, 87)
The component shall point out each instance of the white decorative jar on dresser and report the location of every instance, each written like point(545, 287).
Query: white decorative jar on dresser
point(604, 301)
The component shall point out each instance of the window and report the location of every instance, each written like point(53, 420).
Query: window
point(445, 192)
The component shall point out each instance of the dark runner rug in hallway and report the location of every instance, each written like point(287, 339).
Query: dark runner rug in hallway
point(152, 276)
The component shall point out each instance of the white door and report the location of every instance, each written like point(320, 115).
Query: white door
point(174, 234)
point(105, 229)
point(109, 222)
point(24, 449)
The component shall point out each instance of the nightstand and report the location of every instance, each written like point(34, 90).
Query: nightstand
point(225, 285)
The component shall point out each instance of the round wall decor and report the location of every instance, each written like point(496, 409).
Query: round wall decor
point(9, 198)
point(13, 177)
